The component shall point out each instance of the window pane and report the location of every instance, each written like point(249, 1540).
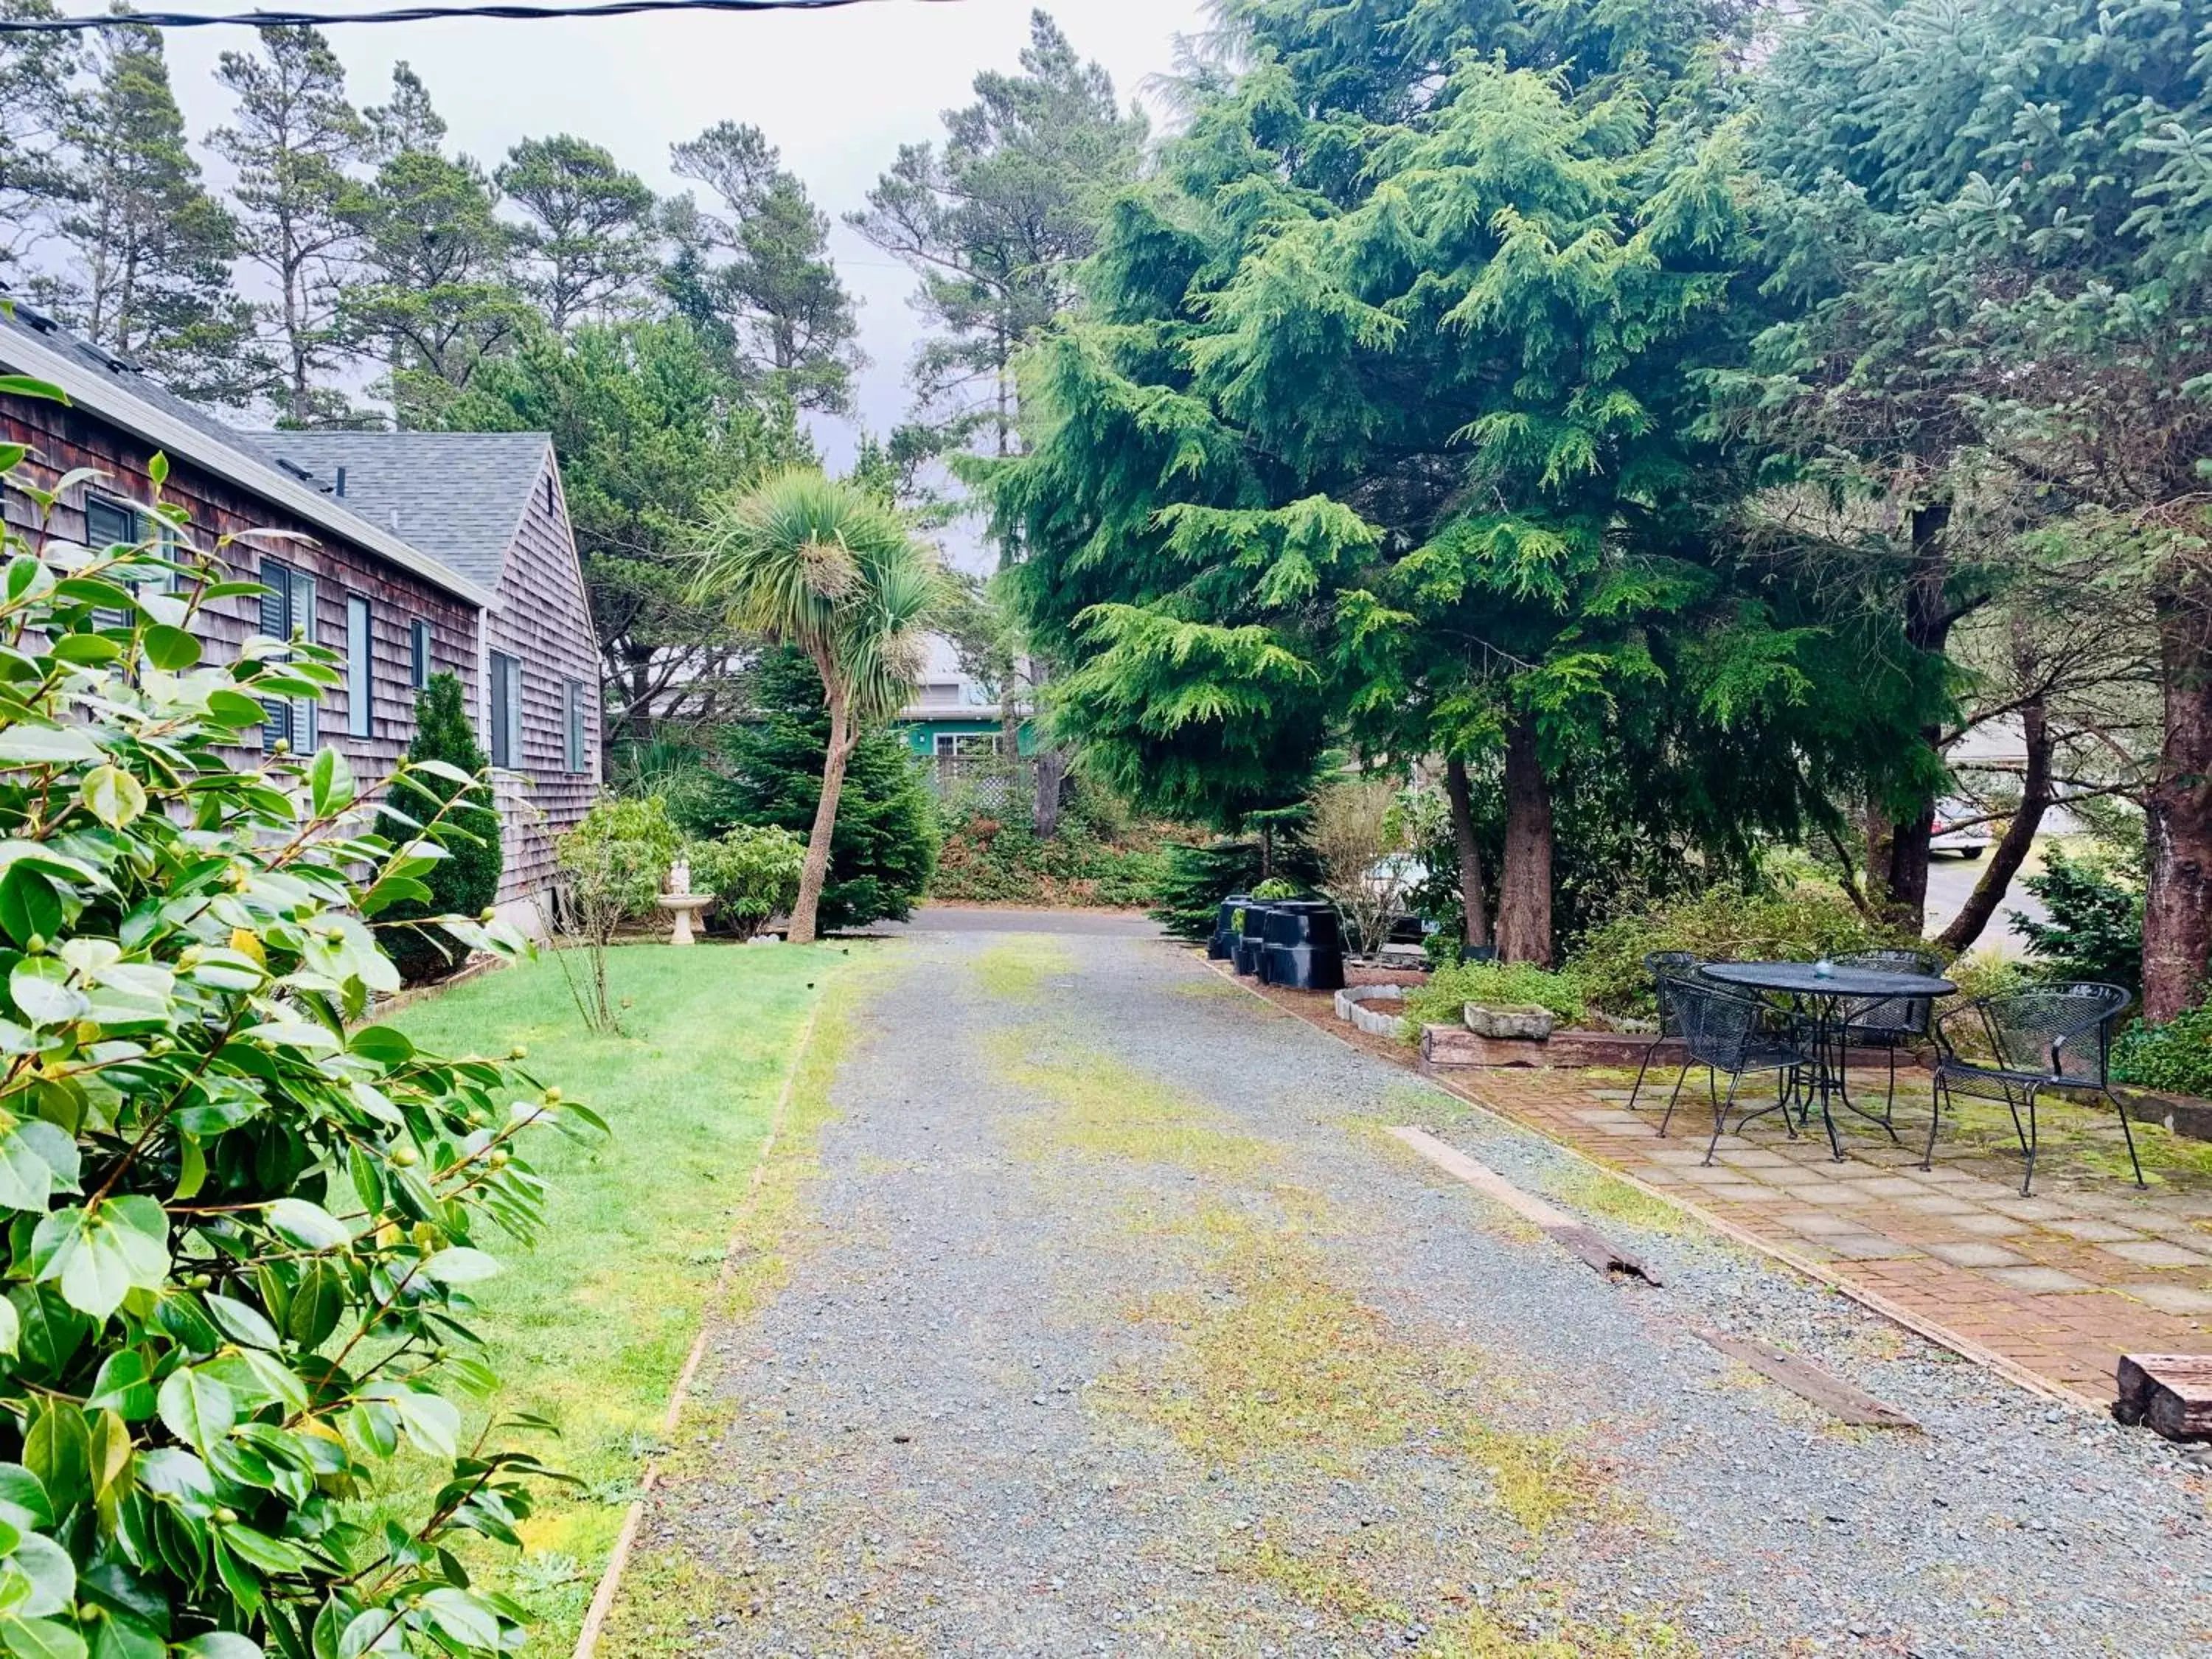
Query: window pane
point(418, 673)
point(107, 523)
point(506, 710)
point(572, 724)
point(361, 679)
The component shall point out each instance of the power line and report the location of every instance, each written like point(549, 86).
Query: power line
point(185, 20)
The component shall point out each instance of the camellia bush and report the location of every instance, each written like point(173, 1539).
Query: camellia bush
point(244, 1226)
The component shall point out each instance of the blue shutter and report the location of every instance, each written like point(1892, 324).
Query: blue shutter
point(276, 624)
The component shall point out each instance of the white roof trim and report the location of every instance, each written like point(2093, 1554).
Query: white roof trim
point(88, 387)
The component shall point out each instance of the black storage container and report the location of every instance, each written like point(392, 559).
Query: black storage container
point(1248, 952)
point(1223, 945)
point(1304, 947)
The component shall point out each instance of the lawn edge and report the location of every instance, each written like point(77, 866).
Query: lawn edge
point(1874, 1301)
point(610, 1584)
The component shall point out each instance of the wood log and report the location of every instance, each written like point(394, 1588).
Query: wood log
point(2170, 1392)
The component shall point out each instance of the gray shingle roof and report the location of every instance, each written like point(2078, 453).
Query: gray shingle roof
point(459, 497)
point(455, 498)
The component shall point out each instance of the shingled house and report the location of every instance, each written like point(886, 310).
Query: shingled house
point(415, 552)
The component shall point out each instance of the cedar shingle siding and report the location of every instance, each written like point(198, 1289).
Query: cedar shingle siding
point(467, 533)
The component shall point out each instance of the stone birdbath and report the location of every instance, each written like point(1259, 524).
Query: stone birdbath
point(680, 899)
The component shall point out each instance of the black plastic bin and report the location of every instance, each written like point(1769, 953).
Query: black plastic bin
point(1248, 952)
point(1223, 945)
point(1304, 947)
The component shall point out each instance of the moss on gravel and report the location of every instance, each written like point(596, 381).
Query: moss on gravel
point(1017, 970)
point(1098, 1107)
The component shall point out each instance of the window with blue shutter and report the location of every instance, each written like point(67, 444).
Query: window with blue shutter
point(288, 606)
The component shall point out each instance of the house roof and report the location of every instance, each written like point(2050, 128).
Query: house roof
point(459, 497)
point(116, 390)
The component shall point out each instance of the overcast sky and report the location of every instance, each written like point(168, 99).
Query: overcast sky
point(838, 91)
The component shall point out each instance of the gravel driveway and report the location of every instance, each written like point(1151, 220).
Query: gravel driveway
point(1119, 1327)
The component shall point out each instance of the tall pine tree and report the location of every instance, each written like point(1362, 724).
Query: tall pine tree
point(995, 220)
point(587, 243)
point(434, 296)
point(753, 273)
point(292, 142)
point(148, 277)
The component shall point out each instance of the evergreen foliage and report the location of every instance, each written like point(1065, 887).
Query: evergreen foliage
point(755, 278)
point(2092, 925)
point(148, 272)
point(466, 881)
point(649, 427)
point(1384, 418)
point(588, 245)
point(293, 142)
point(885, 845)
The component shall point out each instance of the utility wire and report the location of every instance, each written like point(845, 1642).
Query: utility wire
point(259, 20)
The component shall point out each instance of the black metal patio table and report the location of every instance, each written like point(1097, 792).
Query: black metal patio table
point(1823, 988)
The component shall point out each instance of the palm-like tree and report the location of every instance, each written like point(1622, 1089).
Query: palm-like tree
point(818, 563)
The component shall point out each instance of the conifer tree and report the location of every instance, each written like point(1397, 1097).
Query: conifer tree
point(996, 219)
point(36, 96)
point(753, 273)
point(466, 880)
point(433, 292)
point(1384, 424)
point(149, 277)
point(293, 141)
point(588, 241)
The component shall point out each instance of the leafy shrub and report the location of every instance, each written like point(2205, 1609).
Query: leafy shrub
point(1497, 984)
point(1198, 875)
point(885, 846)
point(752, 871)
point(465, 881)
point(1276, 888)
point(2095, 926)
point(2177, 1056)
point(1720, 924)
point(245, 1229)
point(616, 860)
point(987, 858)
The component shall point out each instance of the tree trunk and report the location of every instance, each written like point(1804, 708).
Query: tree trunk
point(2178, 902)
point(1897, 868)
point(815, 873)
point(1044, 806)
point(1524, 899)
point(1474, 898)
point(2009, 853)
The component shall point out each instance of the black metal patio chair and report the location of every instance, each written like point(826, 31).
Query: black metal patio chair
point(1726, 1031)
point(1888, 1023)
point(2057, 1036)
point(1664, 966)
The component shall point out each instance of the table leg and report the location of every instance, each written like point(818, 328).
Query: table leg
point(1824, 1031)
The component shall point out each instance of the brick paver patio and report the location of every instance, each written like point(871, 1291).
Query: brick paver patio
point(2059, 1283)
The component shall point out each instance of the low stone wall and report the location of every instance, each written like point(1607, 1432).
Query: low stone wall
point(1378, 1020)
point(1446, 1047)
point(2185, 1114)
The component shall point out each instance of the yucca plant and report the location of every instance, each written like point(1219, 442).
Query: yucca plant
point(819, 563)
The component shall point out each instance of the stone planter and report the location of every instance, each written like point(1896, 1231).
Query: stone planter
point(1521, 1022)
point(1351, 1007)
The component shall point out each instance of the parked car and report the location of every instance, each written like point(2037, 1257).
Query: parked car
point(1971, 839)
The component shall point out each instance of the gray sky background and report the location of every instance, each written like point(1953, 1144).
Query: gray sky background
point(838, 91)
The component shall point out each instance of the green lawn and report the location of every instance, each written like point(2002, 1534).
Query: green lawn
point(590, 1328)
